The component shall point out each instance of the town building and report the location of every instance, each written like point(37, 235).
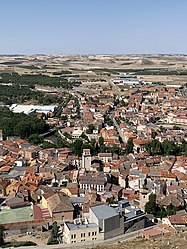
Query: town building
point(108, 220)
point(86, 159)
point(81, 231)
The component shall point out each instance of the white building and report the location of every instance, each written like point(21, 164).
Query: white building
point(126, 82)
point(80, 230)
point(105, 157)
point(92, 181)
point(77, 133)
point(29, 109)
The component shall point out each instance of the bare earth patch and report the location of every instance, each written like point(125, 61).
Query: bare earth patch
point(39, 238)
point(177, 241)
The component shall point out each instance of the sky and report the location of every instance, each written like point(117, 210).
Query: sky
point(93, 26)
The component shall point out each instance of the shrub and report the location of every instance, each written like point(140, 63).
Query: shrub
point(52, 241)
point(18, 244)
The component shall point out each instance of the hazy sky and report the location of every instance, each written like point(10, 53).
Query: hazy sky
point(93, 26)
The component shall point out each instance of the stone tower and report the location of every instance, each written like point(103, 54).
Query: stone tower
point(86, 159)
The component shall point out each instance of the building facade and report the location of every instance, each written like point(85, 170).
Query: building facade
point(81, 231)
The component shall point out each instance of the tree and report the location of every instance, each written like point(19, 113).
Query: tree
point(108, 120)
point(101, 141)
point(96, 149)
point(87, 146)
point(53, 239)
point(103, 148)
point(67, 135)
point(93, 142)
point(151, 206)
point(60, 143)
point(111, 200)
point(77, 146)
point(164, 188)
point(47, 145)
point(90, 129)
point(23, 129)
point(55, 229)
point(169, 148)
point(35, 139)
point(115, 149)
point(1, 235)
point(84, 137)
point(65, 117)
point(20, 124)
point(171, 210)
point(129, 146)
point(162, 128)
point(114, 180)
point(183, 148)
point(175, 127)
point(55, 184)
point(154, 147)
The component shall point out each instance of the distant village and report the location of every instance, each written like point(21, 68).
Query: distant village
point(123, 166)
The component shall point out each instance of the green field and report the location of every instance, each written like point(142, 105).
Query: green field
point(16, 215)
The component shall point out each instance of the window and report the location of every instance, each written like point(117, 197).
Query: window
point(92, 233)
point(72, 236)
point(89, 234)
point(95, 233)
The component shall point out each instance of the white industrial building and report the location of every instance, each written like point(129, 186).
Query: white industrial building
point(126, 82)
point(29, 109)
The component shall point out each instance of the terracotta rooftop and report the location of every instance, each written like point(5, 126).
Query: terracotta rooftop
point(59, 202)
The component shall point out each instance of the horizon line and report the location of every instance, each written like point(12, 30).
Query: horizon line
point(54, 54)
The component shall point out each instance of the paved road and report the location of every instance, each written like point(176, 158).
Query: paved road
point(78, 96)
point(115, 88)
point(119, 130)
point(50, 132)
point(117, 127)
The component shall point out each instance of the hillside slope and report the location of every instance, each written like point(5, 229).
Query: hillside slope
point(177, 241)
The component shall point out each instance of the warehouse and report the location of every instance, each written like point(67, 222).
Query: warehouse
point(29, 109)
